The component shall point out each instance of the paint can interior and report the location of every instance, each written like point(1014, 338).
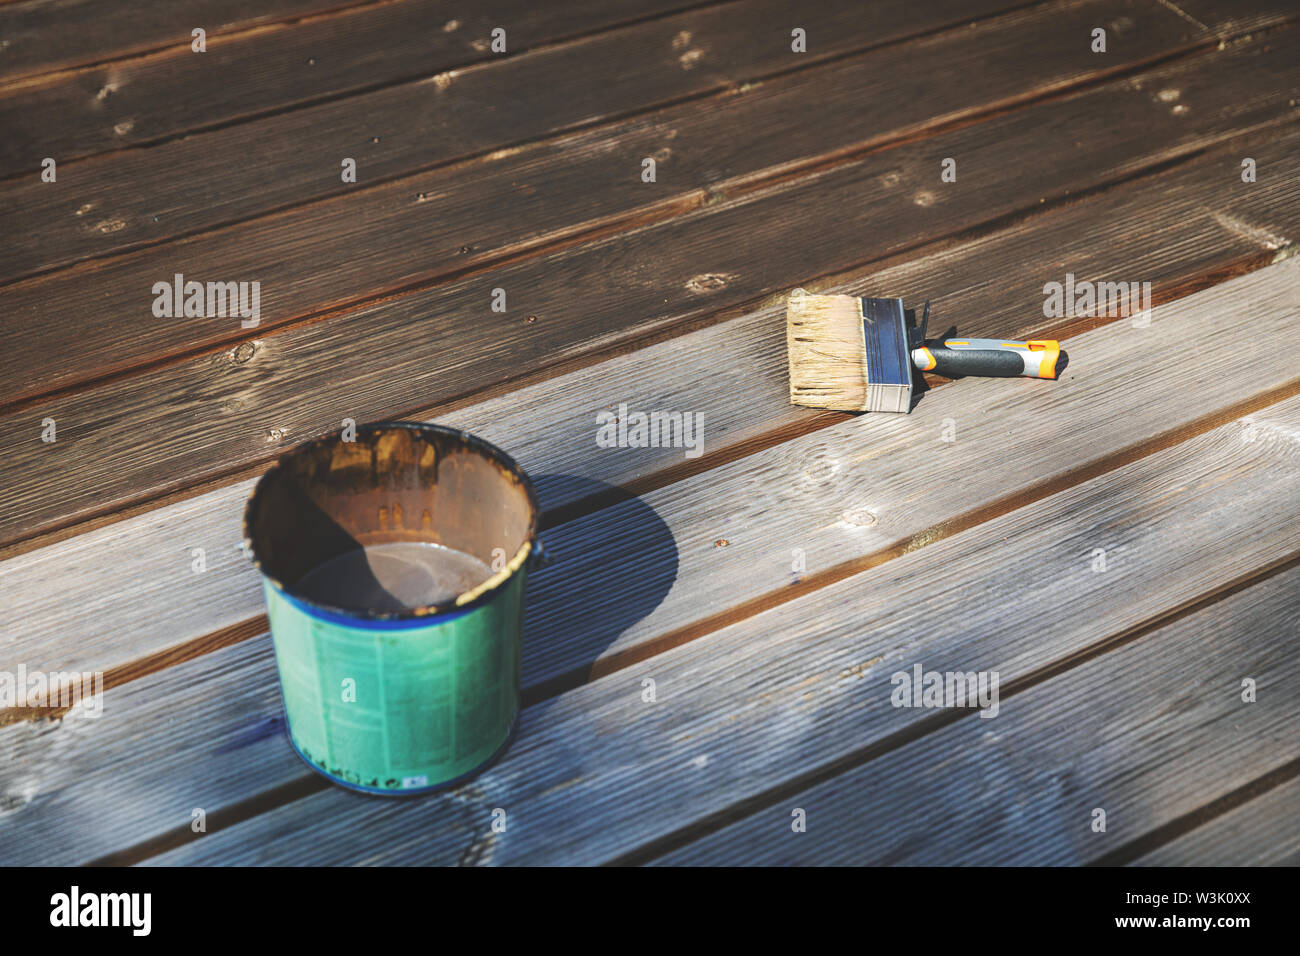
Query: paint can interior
point(393, 567)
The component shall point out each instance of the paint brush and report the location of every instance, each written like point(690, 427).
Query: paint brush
point(857, 354)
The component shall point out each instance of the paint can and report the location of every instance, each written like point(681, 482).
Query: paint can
point(393, 568)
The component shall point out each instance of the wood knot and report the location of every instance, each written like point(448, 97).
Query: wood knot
point(707, 282)
point(1122, 26)
point(243, 352)
point(858, 518)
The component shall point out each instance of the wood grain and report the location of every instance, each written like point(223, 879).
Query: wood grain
point(733, 374)
point(192, 186)
point(815, 631)
point(158, 433)
point(599, 774)
point(1145, 733)
point(345, 252)
point(45, 35)
point(1260, 832)
point(190, 190)
point(396, 51)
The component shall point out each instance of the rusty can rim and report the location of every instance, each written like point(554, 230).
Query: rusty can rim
point(424, 614)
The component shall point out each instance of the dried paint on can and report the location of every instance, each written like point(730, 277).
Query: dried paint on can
point(393, 568)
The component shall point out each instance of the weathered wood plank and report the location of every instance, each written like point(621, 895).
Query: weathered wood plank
point(599, 773)
point(389, 47)
point(229, 410)
point(188, 192)
point(1145, 733)
point(1260, 832)
point(821, 630)
point(733, 374)
point(1214, 16)
point(44, 35)
point(192, 186)
point(313, 260)
point(161, 95)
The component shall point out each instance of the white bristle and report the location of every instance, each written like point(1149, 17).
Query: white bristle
point(828, 367)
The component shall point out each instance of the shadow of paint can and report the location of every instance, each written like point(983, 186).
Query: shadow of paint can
point(399, 672)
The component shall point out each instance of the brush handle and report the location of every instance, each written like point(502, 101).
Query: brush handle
point(993, 358)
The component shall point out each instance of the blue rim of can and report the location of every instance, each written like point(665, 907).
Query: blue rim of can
point(414, 791)
point(367, 619)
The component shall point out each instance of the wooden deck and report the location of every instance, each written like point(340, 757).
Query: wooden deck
point(1120, 547)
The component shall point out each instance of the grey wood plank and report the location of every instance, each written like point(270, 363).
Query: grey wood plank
point(1260, 832)
point(861, 490)
point(63, 597)
point(600, 773)
point(584, 728)
point(1144, 733)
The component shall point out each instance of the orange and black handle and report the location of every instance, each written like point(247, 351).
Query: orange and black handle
point(1037, 358)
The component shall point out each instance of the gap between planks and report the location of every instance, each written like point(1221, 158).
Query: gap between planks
point(751, 400)
point(359, 87)
point(121, 229)
point(296, 303)
point(479, 147)
point(1176, 496)
point(1026, 779)
point(222, 440)
point(1259, 831)
point(1209, 306)
point(295, 13)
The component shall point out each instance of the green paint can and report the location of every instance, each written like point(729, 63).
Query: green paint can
point(393, 565)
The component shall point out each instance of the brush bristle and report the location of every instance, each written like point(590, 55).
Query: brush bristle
point(828, 356)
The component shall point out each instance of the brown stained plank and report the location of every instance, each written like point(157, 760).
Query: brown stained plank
point(1259, 832)
point(820, 627)
point(161, 432)
point(100, 206)
point(164, 95)
point(192, 186)
point(44, 35)
point(338, 253)
point(734, 374)
point(1220, 17)
point(105, 109)
point(1146, 733)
